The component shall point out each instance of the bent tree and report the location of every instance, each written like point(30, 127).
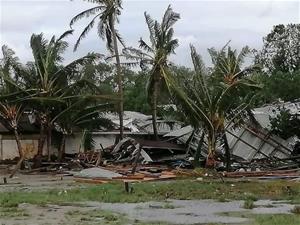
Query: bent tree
point(214, 98)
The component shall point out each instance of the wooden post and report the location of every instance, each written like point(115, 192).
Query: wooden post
point(126, 186)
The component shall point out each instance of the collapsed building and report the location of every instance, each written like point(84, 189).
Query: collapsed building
point(250, 144)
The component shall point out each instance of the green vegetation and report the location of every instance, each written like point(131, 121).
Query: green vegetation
point(100, 217)
point(156, 54)
point(142, 192)
point(249, 204)
point(266, 219)
point(277, 219)
point(107, 13)
point(14, 211)
point(213, 99)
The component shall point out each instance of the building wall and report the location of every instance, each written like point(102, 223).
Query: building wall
point(9, 148)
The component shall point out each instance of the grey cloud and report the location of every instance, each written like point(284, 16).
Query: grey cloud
point(204, 23)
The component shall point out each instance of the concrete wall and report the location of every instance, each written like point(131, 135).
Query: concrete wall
point(9, 148)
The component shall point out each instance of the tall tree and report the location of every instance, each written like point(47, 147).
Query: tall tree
point(106, 13)
point(281, 49)
point(156, 54)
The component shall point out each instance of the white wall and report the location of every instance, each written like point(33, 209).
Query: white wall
point(9, 148)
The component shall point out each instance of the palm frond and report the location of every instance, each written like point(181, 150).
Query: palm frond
point(85, 31)
point(85, 13)
point(150, 23)
point(170, 18)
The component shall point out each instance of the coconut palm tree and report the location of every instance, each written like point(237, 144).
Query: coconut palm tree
point(106, 15)
point(214, 99)
point(156, 53)
point(10, 108)
point(50, 80)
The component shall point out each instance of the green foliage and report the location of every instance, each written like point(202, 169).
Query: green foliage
point(135, 97)
point(106, 12)
point(156, 191)
point(285, 124)
point(88, 142)
point(213, 96)
point(281, 49)
point(156, 55)
point(279, 85)
point(249, 204)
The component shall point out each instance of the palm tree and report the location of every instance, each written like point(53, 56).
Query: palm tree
point(162, 45)
point(49, 80)
point(106, 13)
point(11, 109)
point(214, 99)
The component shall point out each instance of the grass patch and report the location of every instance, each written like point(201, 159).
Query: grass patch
point(96, 217)
point(158, 191)
point(266, 219)
point(248, 204)
point(12, 212)
point(101, 217)
point(278, 219)
point(168, 206)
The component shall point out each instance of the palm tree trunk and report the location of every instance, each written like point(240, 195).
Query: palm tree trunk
point(211, 145)
point(17, 137)
point(119, 78)
point(154, 110)
point(61, 152)
point(41, 141)
point(49, 137)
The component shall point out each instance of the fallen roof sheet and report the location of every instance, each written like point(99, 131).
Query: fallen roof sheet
point(181, 132)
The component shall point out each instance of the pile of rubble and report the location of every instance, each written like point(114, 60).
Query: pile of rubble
point(254, 153)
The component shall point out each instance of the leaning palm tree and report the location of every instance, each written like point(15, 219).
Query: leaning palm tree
point(49, 79)
point(162, 45)
point(106, 14)
point(214, 99)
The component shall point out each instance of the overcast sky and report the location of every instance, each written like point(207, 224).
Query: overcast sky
point(203, 23)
